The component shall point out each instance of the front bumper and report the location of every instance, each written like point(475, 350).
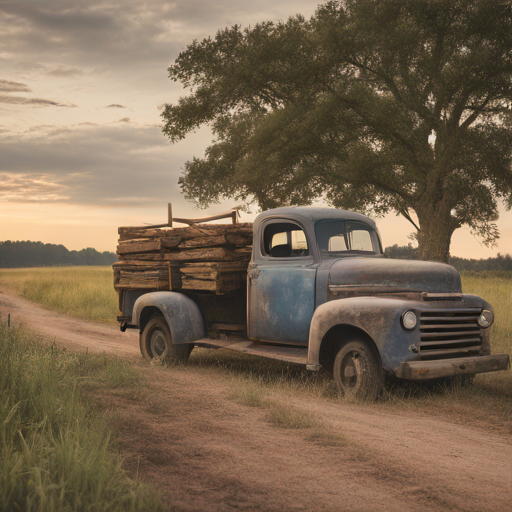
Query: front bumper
point(424, 370)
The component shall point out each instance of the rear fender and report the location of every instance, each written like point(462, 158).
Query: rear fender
point(377, 317)
point(182, 314)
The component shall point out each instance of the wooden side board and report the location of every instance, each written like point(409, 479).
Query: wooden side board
point(201, 257)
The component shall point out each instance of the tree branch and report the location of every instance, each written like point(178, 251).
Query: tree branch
point(477, 111)
point(408, 217)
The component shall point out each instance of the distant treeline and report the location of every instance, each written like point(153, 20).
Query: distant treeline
point(37, 254)
point(408, 252)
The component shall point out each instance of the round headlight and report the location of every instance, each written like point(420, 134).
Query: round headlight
point(485, 319)
point(409, 320)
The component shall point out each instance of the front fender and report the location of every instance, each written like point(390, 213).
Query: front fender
point(182, 314)
point(377, 316)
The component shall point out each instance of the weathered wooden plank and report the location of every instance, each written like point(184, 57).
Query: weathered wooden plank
point(212, 273)
point(150, 257)
point(133, 246)
point(222, 283)
point(198, 284)
point(203, 241)
point(244, 252)
point(171, 242)
point(128, 233)
point(138, 263)
point(150, 274)
point(212, 229)
point(204, 254)
point(129, 284)
point(237, 239)
point(215, 265)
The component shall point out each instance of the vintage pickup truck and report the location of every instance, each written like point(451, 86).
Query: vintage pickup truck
point(319, 292)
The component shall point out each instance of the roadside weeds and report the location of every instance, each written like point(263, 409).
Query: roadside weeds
point(56, 451)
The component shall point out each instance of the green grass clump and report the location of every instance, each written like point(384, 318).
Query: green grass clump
point(84, 292)
point(55, 452)
point(248, 392)
point(285, 416)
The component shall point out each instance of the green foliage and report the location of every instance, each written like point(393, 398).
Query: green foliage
point(372, 105)
point(498, 267)
point(37, 254)
point(403, 252)
point(55, 452)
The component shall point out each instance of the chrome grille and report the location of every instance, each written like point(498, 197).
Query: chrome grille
point(445, 334)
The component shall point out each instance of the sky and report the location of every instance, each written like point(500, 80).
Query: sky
point(81, 147)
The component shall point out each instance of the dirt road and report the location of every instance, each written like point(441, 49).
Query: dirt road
point(206, 452)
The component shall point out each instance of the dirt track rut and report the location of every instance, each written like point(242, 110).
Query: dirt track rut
point(206, 452)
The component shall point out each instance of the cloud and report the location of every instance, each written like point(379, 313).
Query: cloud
point(115, 105)
point(18, 100)
point(30, 188)
point(128, 35)
point(101, 165)
point(8, 86)
point(63, 71)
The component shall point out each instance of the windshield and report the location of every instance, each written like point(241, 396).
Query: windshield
point(337, 238)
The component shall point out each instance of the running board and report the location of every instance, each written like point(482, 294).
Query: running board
point(297, 355)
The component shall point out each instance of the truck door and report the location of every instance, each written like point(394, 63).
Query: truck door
point(282, 285)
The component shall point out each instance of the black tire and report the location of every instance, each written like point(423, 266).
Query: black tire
point(156, 343)
point(358, 372)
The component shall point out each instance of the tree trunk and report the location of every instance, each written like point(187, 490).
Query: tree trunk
point(435, 233)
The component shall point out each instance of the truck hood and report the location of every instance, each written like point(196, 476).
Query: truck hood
point(411, 275)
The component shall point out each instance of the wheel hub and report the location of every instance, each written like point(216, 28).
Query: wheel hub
point(158, 343)
point(351, 370)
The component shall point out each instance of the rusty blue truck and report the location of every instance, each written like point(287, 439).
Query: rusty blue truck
point(319, 292)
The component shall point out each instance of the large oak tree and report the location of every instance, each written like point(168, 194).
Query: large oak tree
point(372, 105)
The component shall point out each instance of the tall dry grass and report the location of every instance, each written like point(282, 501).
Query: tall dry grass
point(84, 292)
point(55, 451)
point(495, 288)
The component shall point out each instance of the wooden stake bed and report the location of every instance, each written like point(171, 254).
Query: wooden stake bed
point(201, 257)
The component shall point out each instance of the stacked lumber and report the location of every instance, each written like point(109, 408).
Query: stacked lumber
point(201, 257)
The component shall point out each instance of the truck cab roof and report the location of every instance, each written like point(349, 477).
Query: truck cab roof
point(311, 214)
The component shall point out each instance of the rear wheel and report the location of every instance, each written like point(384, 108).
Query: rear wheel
point(357, 371)
point(156, 343)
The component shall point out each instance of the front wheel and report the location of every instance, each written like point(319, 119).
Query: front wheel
point(357, 371)
point(156, 343)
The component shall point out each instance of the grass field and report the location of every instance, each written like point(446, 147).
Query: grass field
point(55, 450)
point(84, 292)
point(88, 293)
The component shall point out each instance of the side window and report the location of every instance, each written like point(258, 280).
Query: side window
point(284, 240)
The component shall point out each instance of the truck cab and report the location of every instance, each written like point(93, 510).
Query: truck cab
point(319, 292)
